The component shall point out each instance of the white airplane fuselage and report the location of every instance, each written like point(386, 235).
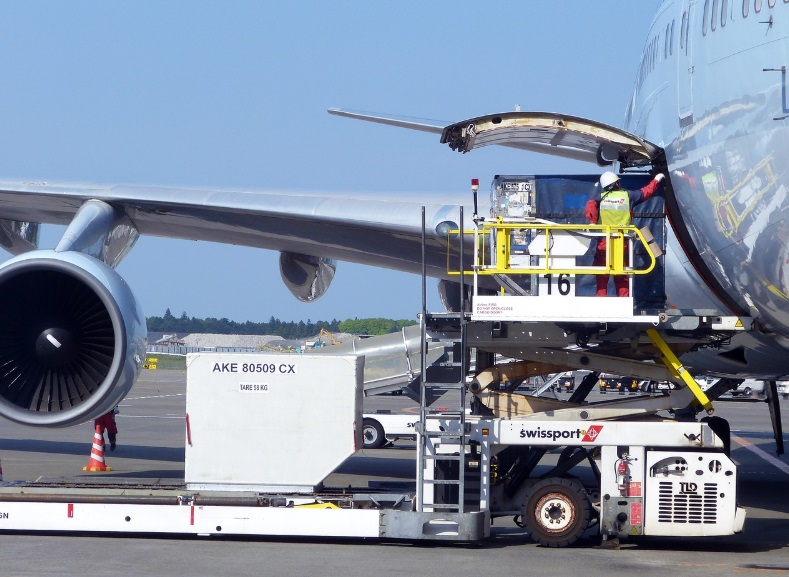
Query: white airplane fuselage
point(711, 91)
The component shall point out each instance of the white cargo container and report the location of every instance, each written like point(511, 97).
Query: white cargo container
point(240, 406)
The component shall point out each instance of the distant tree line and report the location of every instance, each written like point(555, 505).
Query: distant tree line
point(185, 324)
point(373, 326)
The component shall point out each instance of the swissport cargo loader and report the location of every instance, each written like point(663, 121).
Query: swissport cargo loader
point(264, 431)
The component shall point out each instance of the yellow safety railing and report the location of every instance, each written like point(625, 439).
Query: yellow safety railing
point(493, 248)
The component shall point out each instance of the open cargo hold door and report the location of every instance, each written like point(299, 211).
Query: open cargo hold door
point(555, 134)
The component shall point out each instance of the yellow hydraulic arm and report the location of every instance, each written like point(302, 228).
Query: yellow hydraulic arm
point(672, 363)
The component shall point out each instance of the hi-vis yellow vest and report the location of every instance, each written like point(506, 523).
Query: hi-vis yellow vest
point(615, 208)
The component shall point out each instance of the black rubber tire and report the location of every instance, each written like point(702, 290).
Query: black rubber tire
point(373, 435)
point(556, 512)
point(747, 391)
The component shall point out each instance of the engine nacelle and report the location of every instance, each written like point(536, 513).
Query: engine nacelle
point(307, 277)
point(72, 338)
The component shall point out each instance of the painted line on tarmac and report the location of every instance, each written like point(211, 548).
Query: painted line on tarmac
point(151, 416)
point(153, 397)
point(760, 453)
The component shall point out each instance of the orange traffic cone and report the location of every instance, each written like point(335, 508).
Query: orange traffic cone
point(96, 462)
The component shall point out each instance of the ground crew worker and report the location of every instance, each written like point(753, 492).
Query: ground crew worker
point(107, 421)
point(612, 205)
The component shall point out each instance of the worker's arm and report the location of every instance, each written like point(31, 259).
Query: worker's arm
point(592, 212)
point(643, 195)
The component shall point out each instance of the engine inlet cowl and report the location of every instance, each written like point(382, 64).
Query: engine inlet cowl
point(72, 341)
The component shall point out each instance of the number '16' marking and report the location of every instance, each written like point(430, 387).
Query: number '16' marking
point(563, 283)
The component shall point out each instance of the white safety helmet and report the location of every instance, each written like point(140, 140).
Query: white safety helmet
point(607, 179)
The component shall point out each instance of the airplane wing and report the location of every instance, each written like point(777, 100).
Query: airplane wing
point(362, 229)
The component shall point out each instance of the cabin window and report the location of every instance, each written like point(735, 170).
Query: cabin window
point(714, 16)
point(771, 3)
point(653, 54)
point(671, 39)
point(724, 10)
point(683, 29)
point(683, 35)
point(704, 18)
point(746, 4)
point(757, 5)
point(665, 43)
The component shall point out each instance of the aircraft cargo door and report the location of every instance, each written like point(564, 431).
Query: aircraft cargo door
point(685, 66)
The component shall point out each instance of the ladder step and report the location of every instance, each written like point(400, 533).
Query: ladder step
point(446, 507)
point(446, 439)
point(438, 323)
point(442, 481)
point(444, 457)
point(450, 417)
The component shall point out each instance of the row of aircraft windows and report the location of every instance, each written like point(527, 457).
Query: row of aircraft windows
point(709, 20)
point(711, 16)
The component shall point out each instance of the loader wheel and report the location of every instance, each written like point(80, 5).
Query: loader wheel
point(556, 512)
point(373, 434)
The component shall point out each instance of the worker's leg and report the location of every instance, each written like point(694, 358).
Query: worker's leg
point(622, 287)
point(600, 279)
point(112, 433)
point(602, 285)
point(621, 282)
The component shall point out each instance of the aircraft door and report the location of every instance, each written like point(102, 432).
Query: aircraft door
point(685, 65)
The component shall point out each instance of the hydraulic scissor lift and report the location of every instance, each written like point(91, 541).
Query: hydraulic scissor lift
point(538, 323)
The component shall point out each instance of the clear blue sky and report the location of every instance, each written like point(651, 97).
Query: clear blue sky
point(234, 94)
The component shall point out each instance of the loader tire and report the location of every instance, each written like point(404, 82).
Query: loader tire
point(556, 512)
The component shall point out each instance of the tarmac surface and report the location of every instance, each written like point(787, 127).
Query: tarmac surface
point(151, 450)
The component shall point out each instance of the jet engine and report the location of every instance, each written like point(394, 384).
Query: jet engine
point(72, 338)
